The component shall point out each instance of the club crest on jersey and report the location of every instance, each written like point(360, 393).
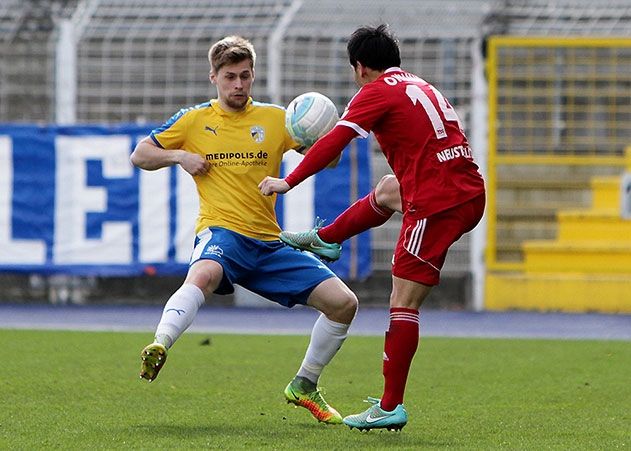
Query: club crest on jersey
point(257, 133)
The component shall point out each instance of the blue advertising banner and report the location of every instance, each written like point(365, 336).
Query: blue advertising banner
point(70, 202)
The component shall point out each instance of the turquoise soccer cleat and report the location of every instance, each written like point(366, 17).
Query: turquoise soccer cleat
point(311, 242)
point(153, 358)
point(376, 418)
point(297, 394)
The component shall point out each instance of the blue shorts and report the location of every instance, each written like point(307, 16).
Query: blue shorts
point(269, 268)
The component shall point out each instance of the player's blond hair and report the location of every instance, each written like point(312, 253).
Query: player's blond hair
point(231, 50)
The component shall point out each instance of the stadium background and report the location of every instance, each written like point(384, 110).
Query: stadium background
point(549, 120)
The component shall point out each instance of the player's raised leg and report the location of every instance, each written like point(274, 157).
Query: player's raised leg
point(178, 314)
point(371, 211)
point(153, 358)
point(311, 242)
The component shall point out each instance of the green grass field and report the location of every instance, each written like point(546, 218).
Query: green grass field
point(80, 390)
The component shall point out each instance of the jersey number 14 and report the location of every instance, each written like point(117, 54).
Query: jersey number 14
point(417, 95)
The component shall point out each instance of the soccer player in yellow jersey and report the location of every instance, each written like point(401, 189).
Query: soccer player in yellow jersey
point(229, 145)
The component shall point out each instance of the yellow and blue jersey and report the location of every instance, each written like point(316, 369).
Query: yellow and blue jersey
point(242, 148)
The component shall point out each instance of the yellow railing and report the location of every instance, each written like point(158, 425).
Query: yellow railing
point(557, 107)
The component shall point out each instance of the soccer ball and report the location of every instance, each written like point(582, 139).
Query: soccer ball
point(309, 117)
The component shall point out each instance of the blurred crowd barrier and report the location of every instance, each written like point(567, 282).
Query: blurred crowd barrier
point(541, 87)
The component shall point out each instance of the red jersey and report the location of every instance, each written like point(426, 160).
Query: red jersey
point(422, 139)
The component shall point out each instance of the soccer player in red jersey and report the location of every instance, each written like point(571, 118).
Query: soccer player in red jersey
point(436, 185)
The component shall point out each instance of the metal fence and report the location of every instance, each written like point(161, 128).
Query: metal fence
point(560, 113)
point(111, 61)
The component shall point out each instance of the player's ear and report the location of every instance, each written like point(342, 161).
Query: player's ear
point(211, 76)
point(362, 69)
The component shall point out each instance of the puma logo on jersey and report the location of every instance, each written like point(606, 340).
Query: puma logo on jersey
point(210, 129)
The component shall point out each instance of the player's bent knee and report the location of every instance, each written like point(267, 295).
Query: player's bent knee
point(388, 181)
point(387, 193)
point(333, 298)
point(205, 274)
point(347, 307)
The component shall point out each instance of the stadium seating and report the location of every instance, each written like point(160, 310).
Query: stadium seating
point(138, 61)
point(587, 267)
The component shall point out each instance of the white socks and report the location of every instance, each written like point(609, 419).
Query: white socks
point(326, 339)
point(178, 313)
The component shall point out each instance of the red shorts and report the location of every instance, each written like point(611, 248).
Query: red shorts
point(423, 242)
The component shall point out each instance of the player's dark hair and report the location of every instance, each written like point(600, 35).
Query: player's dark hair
point(375, 48)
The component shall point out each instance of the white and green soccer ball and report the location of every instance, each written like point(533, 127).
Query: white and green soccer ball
point(310, 116)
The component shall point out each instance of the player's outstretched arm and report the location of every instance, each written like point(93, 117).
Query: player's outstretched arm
point(150, 157)
point(325, 151)
point(271, 185)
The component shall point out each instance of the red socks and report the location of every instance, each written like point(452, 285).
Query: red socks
point(400, 346)
point(359, 217)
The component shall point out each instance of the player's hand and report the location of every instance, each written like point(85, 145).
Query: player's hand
point(271, 185)
point(194, 164)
